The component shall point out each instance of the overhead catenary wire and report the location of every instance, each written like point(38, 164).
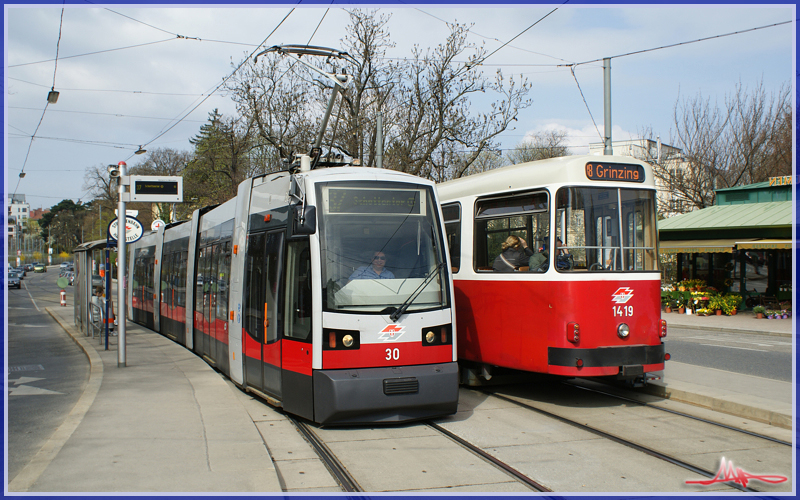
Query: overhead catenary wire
point(636, 52)
point(221, 83)
point(44, 111)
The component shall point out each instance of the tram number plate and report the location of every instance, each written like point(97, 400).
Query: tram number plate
point(392, 354)
point(622, 311)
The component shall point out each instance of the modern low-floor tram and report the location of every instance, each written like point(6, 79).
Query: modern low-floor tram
point(264, 288)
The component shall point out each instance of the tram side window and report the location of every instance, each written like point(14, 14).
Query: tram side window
point(452, 226)
point(222, 281)
point(639, 242)
point(298, 291)
point(588, 223)
point(523, 215)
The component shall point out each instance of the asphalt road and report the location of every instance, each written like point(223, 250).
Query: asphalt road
point(47, 371)
point(759, 355)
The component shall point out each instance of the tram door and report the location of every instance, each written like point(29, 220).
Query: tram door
point(262, 349)
point(296, 357)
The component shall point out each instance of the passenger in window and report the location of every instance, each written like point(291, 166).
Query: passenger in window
point(559, 245)
point(515, 254)
point(539, 261)
point(375, 271)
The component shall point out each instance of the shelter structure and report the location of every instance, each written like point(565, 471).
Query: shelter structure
point(741, 244)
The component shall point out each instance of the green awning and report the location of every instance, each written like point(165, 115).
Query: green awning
point(776, 214)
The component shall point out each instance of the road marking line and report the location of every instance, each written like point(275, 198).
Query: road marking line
point(31, 296)
point(733, 347)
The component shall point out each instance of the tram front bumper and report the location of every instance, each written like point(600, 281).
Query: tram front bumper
point(385, 395)
point(607, 356)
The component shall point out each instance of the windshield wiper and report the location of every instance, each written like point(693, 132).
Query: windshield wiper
point(411, 298)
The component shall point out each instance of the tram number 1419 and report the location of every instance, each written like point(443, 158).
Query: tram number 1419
point(623, 311)
point(392, 354)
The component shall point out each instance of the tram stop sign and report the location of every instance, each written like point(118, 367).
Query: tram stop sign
point(133, 229)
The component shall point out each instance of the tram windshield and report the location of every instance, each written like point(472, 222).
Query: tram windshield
point(606, 229)
point(381, 248)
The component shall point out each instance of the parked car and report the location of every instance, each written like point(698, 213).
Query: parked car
point(28, 267)
point(67, 264)
point(20, 270)
point(39, 268)
point(13, 280)
point(70, 276)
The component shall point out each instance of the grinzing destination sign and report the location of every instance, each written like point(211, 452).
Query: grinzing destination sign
point(625, 172)
point(133, 229)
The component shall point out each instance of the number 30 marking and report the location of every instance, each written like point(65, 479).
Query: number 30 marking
point(392, 354)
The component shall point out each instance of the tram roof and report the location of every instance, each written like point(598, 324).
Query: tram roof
point(535, 174)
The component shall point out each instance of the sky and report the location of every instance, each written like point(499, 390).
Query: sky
point(127, 76)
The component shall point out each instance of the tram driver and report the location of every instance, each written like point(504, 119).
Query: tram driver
point(376, 270)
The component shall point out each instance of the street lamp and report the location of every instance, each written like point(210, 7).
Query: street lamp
point(52, 96)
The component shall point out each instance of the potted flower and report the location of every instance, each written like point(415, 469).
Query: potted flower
point(759, 311)
point(731, 304)
point(717, 303)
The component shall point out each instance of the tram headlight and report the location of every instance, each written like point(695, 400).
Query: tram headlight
point(437, 335)
point(623, 331)
point(341, 339)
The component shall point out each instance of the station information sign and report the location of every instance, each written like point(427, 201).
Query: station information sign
point(156, 189)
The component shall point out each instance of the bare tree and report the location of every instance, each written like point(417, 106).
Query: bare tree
point(741, 143)
point(435, 132)
point(540, 146)
point(427, 103)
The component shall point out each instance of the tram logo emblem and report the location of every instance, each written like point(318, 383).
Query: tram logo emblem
point(391, 333)
point(622, 295)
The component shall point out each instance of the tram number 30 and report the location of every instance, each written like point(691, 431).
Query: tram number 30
point(622, 311)
point(392, 354)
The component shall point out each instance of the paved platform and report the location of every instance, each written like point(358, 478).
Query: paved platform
point(167, 422)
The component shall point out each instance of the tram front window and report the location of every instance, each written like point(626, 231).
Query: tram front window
point(380, 246)
point(606, 229)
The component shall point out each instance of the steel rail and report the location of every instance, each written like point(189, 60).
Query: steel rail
point(625, 442)
point(519, 476)
point(336, 468)
point(681, 414)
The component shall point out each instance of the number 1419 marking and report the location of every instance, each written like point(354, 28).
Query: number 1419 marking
point(623, 310)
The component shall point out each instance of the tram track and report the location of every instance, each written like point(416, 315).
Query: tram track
point(623, 441)
point(511, 471)
point(337, 469)
point(680, 414)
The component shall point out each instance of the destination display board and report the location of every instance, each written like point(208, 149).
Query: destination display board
point(156, 189)
point(374, 201)
point(625, 172)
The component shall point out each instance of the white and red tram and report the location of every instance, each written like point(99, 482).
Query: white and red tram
point(589, 305)
point(260, 287)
